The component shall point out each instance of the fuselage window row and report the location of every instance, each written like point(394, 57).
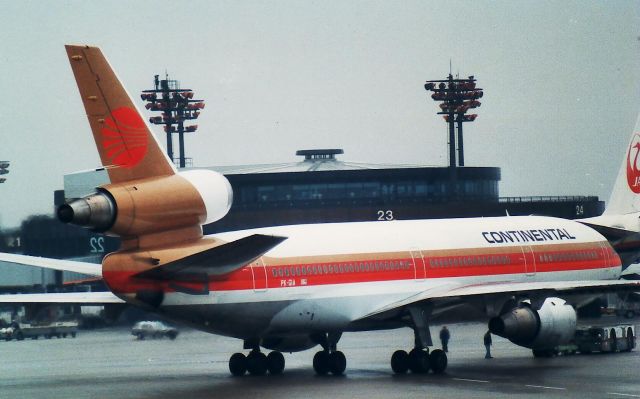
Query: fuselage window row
point(339, 268)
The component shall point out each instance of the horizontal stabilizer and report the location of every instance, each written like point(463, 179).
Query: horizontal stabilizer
point(92, 269)
point(95, 298)
point(216, 261)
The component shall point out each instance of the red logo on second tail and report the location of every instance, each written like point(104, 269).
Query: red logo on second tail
point(124, 137)
point(633, 172)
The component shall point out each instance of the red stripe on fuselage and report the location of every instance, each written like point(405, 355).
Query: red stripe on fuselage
point(433, 264)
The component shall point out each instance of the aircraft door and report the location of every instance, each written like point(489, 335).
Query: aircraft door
point(259, 273)
point(419, 267)
point(529, 260)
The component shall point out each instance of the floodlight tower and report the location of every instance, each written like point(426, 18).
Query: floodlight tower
point(4, 169)
point(456, 97)
point(177, 106)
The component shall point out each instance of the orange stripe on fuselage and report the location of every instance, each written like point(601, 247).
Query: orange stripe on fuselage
point(437, 264)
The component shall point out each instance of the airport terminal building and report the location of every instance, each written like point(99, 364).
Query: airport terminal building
point(318, 187)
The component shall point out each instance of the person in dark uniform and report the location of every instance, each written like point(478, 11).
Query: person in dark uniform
point(487, 345)
point(444, 338)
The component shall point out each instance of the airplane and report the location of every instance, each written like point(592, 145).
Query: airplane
point(292, 288)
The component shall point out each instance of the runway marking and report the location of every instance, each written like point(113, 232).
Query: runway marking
point(628, 395)
point(545, 387)
point(470, 380)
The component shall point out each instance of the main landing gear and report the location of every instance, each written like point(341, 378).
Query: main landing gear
point(256, 363)
point(329, 359)
point(419, 360)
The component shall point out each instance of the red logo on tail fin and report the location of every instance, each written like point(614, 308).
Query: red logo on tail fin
point(633, 172)
point(124, 137)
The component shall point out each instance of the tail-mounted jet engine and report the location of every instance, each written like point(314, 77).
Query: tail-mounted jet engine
point(151, 205)
point(553, 324)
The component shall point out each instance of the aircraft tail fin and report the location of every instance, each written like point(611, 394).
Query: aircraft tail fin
point(127, 147)
point(625, 197)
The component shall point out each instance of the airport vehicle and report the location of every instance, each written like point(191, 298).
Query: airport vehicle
point(613, 338)
point(58, 329)
point(291, 288)
point(606, 339)
point(153, 329)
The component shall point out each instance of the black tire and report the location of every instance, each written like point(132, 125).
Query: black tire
point(64, 335)
point(542, 352)
point(257, 363)
point(337, 363)
point(275, 363)
point(418, 361)
point(172, 335)
point(438, 361)
point(141, 336)
point(73, 334)
point(614, 340)
point(631, 342)
point(19, 336)
point(400, 362)
point(238, 364)
point(321, 362)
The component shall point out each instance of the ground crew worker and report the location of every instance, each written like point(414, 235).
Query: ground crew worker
point(487, 344)
point(444, 338)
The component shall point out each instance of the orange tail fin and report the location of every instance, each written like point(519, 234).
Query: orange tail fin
point(128, 149)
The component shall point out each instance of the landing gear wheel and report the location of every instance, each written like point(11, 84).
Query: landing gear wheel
point(438, 361)
point(337, 363)
point(400, 362)
point(418, 361)
point(275, 363)
point(238, 364)
point(257, 363)
point(321, 362)
point(543, 352)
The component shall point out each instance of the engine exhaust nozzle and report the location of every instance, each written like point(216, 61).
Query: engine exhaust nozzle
point(96, 212)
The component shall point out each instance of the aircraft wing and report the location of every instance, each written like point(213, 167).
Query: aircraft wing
point(63, 297)
point(92, 269)
point(469, 293)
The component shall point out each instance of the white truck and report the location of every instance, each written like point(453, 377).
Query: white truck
point(58, 329)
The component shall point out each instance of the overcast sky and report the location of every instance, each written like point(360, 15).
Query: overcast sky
point(561, 80)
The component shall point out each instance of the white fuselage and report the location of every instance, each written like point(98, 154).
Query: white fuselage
point(324, 277)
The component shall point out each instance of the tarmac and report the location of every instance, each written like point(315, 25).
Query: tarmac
point(112, 364)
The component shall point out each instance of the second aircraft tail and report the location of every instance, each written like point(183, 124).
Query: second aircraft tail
point(625, 197)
